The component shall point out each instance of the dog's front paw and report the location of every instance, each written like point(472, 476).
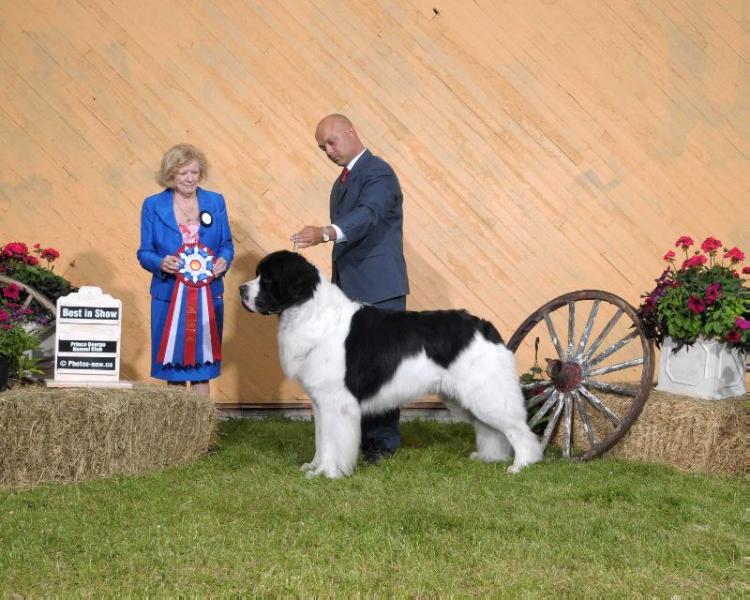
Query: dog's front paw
point(308, 466)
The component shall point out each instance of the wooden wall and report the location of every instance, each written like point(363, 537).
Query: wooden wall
point(543, 146)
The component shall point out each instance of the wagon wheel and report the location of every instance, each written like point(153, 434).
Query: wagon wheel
point(29, 294)
point(592, 391)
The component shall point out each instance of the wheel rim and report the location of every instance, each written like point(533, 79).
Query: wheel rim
point(581, 402)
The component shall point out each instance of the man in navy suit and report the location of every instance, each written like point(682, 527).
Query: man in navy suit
point(368, 251)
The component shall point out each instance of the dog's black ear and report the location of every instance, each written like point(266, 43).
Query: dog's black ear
point(299, 279)
point(287, 278)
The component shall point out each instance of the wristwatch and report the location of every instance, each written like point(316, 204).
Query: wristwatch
point(324, 231)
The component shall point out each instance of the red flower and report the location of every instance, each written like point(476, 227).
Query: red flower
point(684, 242)
point(4, 316)
point(13, 249)
point(11, 291)
point(735, 255)
point(710, 245)
point(696, 305)
point(32, 260)
point(50, 254)
point(714, 292)
point(746, 270)
point(743, 324)
point(733, 336)
point(695, 261)
point(37, 245)
point(669, 256)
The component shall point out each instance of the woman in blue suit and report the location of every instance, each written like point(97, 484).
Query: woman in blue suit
point(183, 214)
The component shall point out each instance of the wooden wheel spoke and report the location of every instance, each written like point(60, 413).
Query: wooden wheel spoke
point(553, 335)
point(567, 424)
point(585, 422)
point(571, 326)
point(618, 367)
point(599, 405)
point(603, 334)
point(589, 326)
point(549, 430)
point(613, 348)
point(534, 384)
point(534, 400)
point(545, 408)
point(610, 387)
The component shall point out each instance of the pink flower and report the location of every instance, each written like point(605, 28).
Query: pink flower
point(695, 261)
point(32, 260)
point(669, 256)
point(733, 336)
point(746, 270)
point(714, 292)
point(696, 305)
point(735, 255)
point(710, 245)
point(37, 246)
point(743, 324)
point(684, 242)
point(4, 316)
point(11, 291)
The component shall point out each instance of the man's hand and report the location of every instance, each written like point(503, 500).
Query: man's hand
point(310, 235)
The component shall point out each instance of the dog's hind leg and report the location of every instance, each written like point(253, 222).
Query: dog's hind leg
point(505, 414)
point(492, 445)
point(338, 432)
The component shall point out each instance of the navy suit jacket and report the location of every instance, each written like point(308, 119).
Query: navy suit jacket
point(369, 266)
point(160, 235)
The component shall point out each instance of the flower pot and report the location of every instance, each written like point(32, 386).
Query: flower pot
point(708, 369)
point(4, 371)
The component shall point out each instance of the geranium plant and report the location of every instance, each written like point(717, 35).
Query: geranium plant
point(703, 295)
point(34, 267)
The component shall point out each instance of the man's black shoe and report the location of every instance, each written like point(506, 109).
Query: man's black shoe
point(373, 455)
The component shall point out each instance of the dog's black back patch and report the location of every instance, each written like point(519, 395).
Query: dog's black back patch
point(379, 340)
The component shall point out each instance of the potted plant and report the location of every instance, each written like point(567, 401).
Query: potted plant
point(699, 314)
point(34, 267)
point(16, 345)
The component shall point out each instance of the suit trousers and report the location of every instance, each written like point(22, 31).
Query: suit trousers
point(380, 433)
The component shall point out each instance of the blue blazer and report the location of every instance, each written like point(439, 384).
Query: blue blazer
point(160, 236)
point(369, 266)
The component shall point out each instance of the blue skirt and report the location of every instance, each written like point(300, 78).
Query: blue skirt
point(159, 311)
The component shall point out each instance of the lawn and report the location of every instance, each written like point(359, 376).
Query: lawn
point(429, 522)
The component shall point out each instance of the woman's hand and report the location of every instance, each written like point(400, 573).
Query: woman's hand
point(220, 266)
point(169, 264)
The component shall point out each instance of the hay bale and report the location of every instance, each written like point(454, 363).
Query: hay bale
point(74, 434)
point(704, 436)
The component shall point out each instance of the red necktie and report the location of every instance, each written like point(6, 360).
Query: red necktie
point(344, 175)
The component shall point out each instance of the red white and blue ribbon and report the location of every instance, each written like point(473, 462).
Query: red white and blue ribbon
point(191, 336)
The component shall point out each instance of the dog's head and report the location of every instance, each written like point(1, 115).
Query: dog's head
point(283, 279)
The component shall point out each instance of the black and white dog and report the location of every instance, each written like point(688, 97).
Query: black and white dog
point(354, 359)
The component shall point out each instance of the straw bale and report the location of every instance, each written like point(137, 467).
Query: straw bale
point(75, 434)
point(705, 436)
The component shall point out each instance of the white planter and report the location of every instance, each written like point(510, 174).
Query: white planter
point(707, 369)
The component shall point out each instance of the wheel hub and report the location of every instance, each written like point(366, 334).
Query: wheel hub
point(564, 375)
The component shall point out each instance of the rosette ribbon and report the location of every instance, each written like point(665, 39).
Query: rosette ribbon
point(191, 336)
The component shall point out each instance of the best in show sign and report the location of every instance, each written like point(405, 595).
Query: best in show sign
point(87, 340)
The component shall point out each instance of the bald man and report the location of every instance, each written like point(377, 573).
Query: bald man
point(368, 252)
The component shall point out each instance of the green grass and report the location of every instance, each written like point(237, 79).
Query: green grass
point(427, 522)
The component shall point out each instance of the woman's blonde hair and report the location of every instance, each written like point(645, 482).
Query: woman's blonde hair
point(177, 157)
